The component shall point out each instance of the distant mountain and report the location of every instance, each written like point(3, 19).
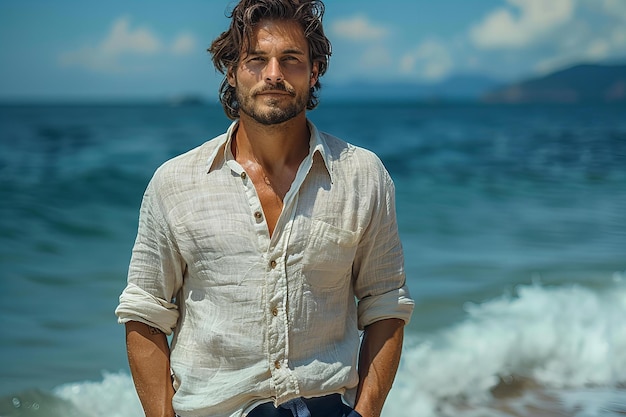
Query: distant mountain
point(578, 84)
point(462, 87)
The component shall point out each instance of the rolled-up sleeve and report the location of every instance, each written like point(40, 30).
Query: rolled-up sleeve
point(156, 267)
point(378, 270)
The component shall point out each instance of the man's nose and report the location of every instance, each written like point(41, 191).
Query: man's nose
point(273, 71)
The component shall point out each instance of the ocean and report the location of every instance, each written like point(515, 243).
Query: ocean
point(513, 221)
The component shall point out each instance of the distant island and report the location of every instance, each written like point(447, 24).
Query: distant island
point(186, 100)
point(584, 83)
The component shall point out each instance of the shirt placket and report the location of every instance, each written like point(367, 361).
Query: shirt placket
point(283, 382)
point(275, 300)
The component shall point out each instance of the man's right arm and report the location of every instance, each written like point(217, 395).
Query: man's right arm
point(149, 360)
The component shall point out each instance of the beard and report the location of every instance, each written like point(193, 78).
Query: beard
point(275, 112)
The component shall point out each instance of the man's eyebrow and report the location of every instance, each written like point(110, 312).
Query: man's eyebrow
point(291, 51)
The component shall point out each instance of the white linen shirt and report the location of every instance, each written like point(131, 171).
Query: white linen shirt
point(259, 318)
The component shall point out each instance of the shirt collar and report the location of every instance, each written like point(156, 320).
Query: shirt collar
point(317, 144)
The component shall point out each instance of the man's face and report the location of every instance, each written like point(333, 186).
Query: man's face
point(273, 80)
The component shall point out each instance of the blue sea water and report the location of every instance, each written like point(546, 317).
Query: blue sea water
point(513, 220)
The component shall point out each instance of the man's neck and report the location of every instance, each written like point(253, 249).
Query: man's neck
point(274, 147)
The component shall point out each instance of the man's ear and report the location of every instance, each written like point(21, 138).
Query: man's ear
point(315, 72)
point(230, 76)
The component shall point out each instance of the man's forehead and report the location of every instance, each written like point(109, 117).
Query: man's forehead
point(287, 33)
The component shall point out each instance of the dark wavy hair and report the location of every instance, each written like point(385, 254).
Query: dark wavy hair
point(226, 48)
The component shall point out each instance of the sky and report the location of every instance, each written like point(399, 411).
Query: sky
point(71, 49)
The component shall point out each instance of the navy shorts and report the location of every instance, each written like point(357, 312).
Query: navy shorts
point(327, 406)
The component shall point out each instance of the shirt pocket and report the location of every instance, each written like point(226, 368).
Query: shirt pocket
point(328, 255)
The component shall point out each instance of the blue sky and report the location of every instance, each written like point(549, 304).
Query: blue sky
point(154, 49)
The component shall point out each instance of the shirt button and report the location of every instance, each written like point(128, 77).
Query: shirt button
point(277, 364)
point(243, 175)
point(273, 264)
point(258, 215)
point(274, 311)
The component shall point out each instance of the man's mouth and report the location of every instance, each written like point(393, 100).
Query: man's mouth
point(273, 93)
point(280, 90)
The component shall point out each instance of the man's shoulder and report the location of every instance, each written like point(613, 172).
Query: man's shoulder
point(184, 172)
point(342, 152)
point(194, 160)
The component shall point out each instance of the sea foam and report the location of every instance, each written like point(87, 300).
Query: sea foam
point(114, 396)
point(540, 342)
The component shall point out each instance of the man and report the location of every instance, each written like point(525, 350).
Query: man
point(253, 248)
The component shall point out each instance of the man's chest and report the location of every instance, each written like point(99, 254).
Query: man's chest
point(223, 224)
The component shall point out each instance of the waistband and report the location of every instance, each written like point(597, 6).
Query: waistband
point(326, 406)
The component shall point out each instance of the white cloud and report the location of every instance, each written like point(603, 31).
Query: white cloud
point(121, 43)
point(618, 36)
point(358, 29)
point(516, 39)
point(588, 51)
point(122, 39)
point(540, 36)
point(183, 44)
point(598, 49)
point(616, 32)
point(431, 60)
point(615, 8)
point(534, 19)
point(597, 32)
point(376, 57)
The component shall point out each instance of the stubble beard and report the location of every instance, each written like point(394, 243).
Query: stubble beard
point(275, 113)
